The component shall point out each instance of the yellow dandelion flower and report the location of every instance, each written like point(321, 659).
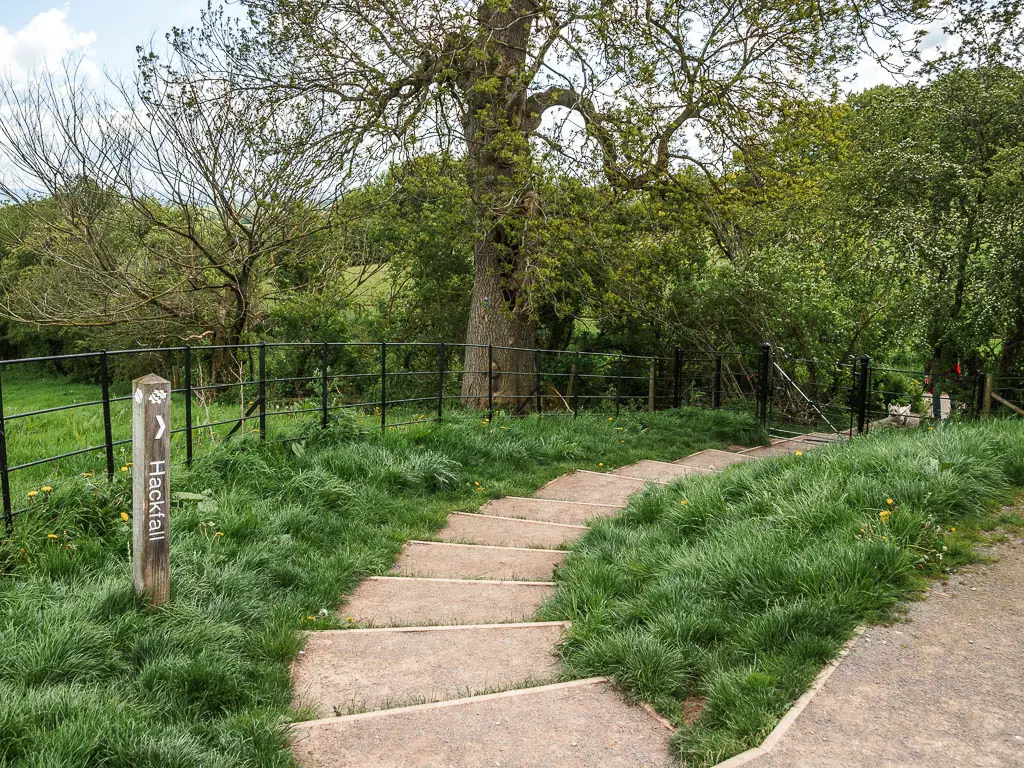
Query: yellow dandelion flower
point(952, 530)
point(884, 515)
point(87, 474)
point(600, 463)
point(611, 419)
point(47, 489)
point(890, 502)
point(219, 533)
point(798, 453)
point(51, 535)
point(684, 502)
point(124, 469)
point(124, 516)
point(32, 494)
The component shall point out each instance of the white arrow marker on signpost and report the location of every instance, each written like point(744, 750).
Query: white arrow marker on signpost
point(160, 423)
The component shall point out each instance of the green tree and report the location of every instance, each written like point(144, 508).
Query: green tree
point(650, 89)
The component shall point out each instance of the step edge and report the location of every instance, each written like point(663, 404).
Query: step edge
point(558, 501)
point(484, 546)
point(464, 701)
point(463, 581)
point(644, 479)
point(607, 474)
point(440, 628)
point(485, 516)
point(675, 463)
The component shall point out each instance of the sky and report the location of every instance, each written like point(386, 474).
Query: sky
point(36, 33)
point(104, 33)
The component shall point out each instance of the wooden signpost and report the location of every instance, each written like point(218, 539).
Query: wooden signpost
point(151, 487)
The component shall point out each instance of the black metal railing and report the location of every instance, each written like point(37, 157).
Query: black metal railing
point(251, 387)
point(248, 388)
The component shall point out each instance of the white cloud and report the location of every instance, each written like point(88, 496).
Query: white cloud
point(869, 72)
point(43, 43)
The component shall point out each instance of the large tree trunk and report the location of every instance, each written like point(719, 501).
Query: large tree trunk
point(497, 317)
point(499, 169)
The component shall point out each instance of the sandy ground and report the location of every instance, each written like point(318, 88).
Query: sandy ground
point(347, 670)
point(591, 487)
point(382, 601)
point(458, 561)
point(507, 531)
point(658, 471)
point(944, 687)
point(577, 725)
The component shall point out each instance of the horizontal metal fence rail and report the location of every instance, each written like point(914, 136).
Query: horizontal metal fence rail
point(391, 381)
point(264, 382)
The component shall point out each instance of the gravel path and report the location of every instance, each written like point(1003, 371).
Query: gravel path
point(945, 687)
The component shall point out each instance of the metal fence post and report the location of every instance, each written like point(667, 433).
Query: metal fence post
point(936, 397)
point(440, 382)
point(263, 390)
point(764, 367)
point(651, 386)
point(618, 387)
point(383, 384)
point(107, 436)
point(323, 385)
point(677, 373)
point(536, 365)
point(490, 382)
point(188, 405)
point(576, 387)
point(863, 394)
point(716, 383)
point(5, 483)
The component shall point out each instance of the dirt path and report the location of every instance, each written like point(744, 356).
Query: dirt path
point(944, 687)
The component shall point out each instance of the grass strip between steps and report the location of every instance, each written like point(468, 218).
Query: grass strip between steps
point(718, 599)
point(266, 540)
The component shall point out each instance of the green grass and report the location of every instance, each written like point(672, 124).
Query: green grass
point(734, 600)
point(50, 434)
point(267, 542)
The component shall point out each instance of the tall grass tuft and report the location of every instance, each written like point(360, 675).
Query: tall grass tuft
point(735, 589)
point(266, 541)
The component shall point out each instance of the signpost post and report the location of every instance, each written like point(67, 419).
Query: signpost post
point(151, 458)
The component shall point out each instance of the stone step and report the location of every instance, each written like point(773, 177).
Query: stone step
point(591, 487)
point(473, 561)
point(823, 437)
point(657, 471)
point(581, 724)
point(548, 510)
point(781, 448)
point(713, 459)
point(350, 670)
point(385, 601)
point(507, 531)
